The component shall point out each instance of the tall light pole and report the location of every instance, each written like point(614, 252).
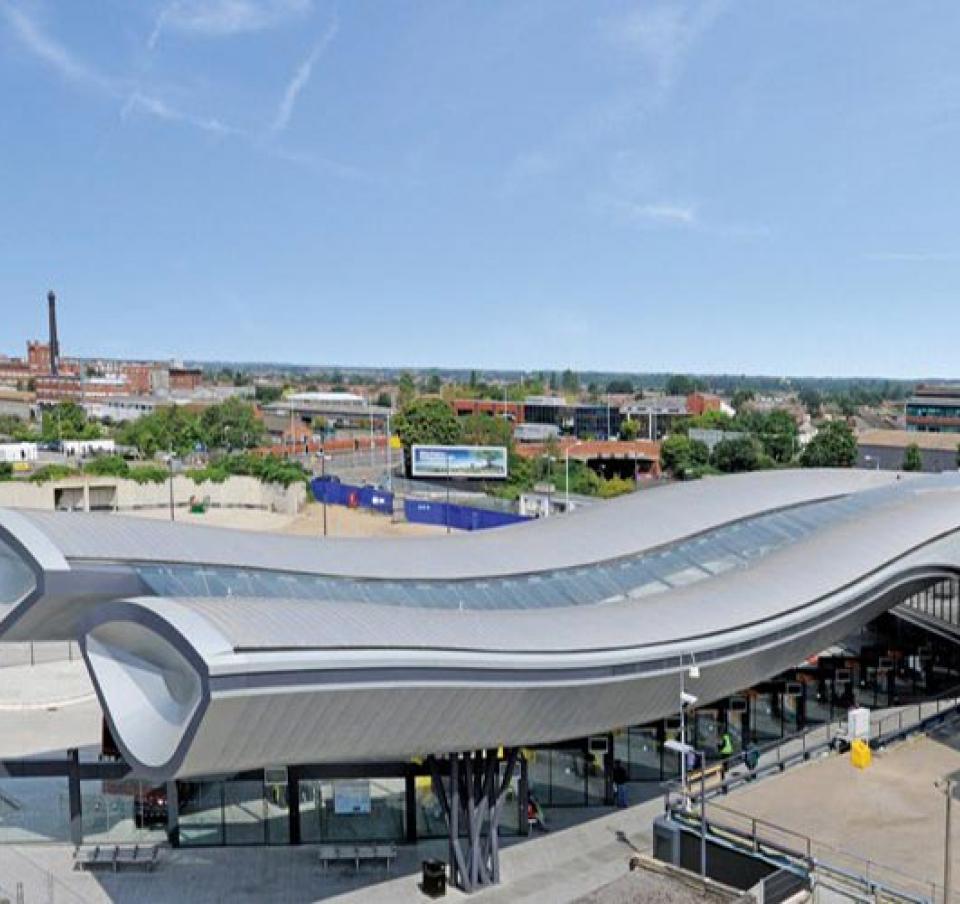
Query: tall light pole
point(389, 453)
point(946, 785)
point(447, 507)
point(170, 464)
point(323, 474)
point(566, 473)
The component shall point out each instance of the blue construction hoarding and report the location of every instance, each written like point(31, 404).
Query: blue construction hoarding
point(461, 517)
point(333, 492)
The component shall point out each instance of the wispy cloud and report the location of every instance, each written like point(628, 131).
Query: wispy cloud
point(133, 100)
point(219, 18)
point(663, 214)
point(300, 79)
point(54, 54)
point(913, 257)
point(684, 216)
point(160, 109)
point(85, 77)
point(663, 34)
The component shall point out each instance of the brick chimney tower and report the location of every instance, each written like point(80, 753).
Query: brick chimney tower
point(54, 344)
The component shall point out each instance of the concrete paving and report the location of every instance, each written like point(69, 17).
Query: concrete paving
point(47, 708)
point(560, 866)
point(889, 814)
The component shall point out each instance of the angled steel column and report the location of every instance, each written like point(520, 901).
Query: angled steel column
point(477, 790)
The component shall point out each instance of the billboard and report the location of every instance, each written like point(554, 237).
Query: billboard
point(489, 462)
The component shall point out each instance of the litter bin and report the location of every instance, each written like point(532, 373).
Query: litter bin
point(434, 881)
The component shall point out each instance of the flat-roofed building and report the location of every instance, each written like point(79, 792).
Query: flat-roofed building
point(934, 409)
point(886, 450)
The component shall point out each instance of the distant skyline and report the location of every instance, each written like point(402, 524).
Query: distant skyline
point(709, 186)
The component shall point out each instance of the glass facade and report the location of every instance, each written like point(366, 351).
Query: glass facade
point(34, 809)
point(735, 545)
point(566, 776)
point(123, 811)
point(352, 810)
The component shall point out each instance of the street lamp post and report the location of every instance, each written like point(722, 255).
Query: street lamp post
point(946, 785)
point(389, 454)
point(170, 464)
point(446, 510)
point(323, 474)
point(566, 473)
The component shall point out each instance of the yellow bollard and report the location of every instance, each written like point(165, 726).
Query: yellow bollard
point(860, 755)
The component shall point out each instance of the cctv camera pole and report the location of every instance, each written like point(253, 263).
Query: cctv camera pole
point(683, 736)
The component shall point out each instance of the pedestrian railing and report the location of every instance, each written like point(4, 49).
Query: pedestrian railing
point(780, 754)
point(840, 870)
point(822, 862)
point(34, 653)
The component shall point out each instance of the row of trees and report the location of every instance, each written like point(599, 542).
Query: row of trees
point(834, 446)
point(232, 425)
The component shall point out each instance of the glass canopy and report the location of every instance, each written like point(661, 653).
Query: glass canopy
point(698, 558)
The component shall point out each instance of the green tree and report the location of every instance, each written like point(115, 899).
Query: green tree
point(811, 399)
point(264, 393)
point(6, 470)
point(620, 386)
point(486, 430)
point(834, 446)
point(912, 460)
point(427, 421)
point(569, 382)
point(681, 385)
point(734, 455)
point(16, 428)
point(231, 425)
point(740, 399)
point(67, 420)
point(629, 429)
point(406, 389)
point(168, 429)
point(776, 431)
point(683, 457)
point(383, 400)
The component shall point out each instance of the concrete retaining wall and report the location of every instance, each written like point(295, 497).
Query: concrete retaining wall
point(112, 494)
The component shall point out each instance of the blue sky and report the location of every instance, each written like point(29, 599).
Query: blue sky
point(649, 185)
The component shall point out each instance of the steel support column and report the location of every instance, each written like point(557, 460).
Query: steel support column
point(75, 798)
point(476, 794)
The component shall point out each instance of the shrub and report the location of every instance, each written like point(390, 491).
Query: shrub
point(52, 472)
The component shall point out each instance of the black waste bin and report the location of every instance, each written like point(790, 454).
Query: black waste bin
point(434, 882)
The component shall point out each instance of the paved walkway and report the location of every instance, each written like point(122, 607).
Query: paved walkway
point(555, 867)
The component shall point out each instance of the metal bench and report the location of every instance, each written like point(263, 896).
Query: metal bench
point(116, 856)
point(330, 853)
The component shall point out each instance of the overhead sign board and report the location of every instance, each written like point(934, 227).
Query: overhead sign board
point(487, 462)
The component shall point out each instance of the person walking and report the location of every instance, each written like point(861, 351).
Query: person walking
point(620, 778)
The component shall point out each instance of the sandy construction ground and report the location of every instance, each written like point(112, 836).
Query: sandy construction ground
point(341, 522)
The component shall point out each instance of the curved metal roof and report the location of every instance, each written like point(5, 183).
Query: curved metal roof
point(216, 649)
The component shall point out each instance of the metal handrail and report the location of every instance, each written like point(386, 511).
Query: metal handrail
point(871, 874)
point(808, 853)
